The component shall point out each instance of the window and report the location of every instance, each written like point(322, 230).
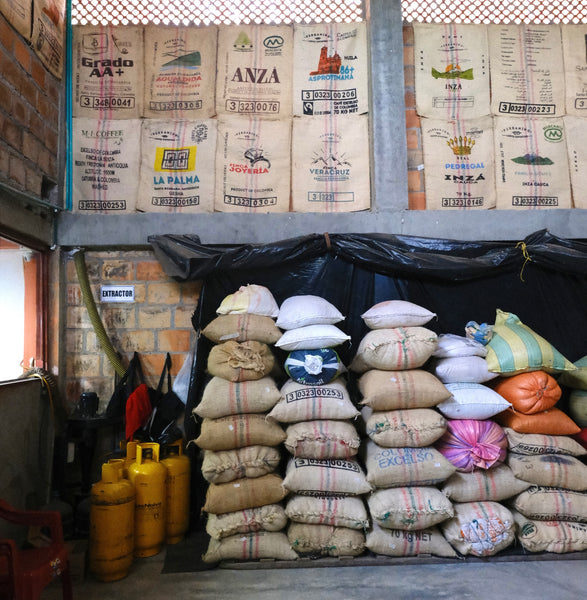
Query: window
point(208, 12)
point(22, 309)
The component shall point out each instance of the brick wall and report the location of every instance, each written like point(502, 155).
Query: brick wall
point(30, 104)
point(416, 196)
point(159, 321)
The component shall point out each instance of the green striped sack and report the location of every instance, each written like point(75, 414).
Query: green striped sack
point(514, 348)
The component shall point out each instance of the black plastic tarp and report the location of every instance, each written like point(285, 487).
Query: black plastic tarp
point(542, 279)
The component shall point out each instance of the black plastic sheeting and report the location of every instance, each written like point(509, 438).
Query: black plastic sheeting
point(542, 279)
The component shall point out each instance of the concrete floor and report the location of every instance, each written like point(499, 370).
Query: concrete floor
point(531, 580)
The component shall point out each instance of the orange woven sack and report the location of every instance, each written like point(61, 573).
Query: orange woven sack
point(529, 393)
point(548, 422)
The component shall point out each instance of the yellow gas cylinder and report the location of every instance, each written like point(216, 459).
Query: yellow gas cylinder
point(112, 519)
point(178, 492)
point(130, 455)
point(148, 476)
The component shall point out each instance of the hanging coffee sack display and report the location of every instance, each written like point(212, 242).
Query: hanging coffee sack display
point(254, 70)
point(253, 165)
point(105, 161)
point(107, 71)
point(330, 164)
point(330, 72)
point(459, 163)
point(452, 70)
point(19, 14)
point(48, 35)
point(527, 74)
point(576, 128)
point(177, 166)
point(531, 163)
point(180, 72)
point(575, 61)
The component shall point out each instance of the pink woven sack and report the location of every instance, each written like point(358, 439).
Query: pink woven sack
point(470, 444)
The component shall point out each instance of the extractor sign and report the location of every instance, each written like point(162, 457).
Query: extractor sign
point(117, 293)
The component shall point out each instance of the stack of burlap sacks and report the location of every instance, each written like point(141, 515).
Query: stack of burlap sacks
point(456, 451)
point(401, 425)
point(326, 483)
point(242, 448)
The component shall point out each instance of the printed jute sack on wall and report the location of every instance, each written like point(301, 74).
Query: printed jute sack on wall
point(254, 71)
point(552, 504)
point(531, 168)
point(452, 70)
point(105, 159)
point(107, 71)
point(180, 72)
point(253, 165)
point(575, 63)
point(19, 14)
point(325, 540)
point(551, 536)
point(249, 461)
point(576, 128)
point(459, 163)
point(250, 546)
point(526, 68)
point(330, 163)
point(177, 166)
point(330, 69)
point(48, 35)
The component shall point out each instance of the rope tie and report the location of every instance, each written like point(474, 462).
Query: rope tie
point(327, 239)
point(526, 256)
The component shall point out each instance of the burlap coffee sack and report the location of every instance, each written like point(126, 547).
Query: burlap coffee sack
point(301, 402)
point(409, 508)
point(270, 517)
point(413, 388)
point(242, 328)
point(325, 540)
point(312, 477)
point(399, 542)
point(535, 444)
point(244, 493)
point(250, 461)
point(550, 470)
point(394, 349)
point(245, 361)
point(238, 431)
point(452, 70)
point(495, 484)
point(552, 504)
point(107, 71)
point(559, 537)
point(479, 528)
point(180, 71)
point(250, 546)
point(411, 428)
point(322, 439)
point(396, 467)
point(222, 397)
point(340, 511)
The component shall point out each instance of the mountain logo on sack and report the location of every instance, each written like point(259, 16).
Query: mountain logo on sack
point(532, 159)
point(191, 60)
point(164, 135)
point(243, 42)
point(452, 71)
point(461, 146)
point(273, 41)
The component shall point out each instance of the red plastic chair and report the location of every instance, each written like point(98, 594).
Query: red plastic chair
point(24, 573)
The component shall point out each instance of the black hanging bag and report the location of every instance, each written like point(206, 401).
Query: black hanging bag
point(130, 381)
